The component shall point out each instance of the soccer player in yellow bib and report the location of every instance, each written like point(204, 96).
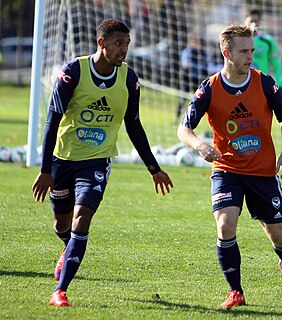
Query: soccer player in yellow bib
point(91, 97)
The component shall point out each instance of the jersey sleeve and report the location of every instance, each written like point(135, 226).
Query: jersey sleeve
point(49, 140)
point(198, 106)
point(273, 95)
point(134, 126)
point(66, 81)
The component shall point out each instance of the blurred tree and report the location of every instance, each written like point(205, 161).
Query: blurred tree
point(16, 18)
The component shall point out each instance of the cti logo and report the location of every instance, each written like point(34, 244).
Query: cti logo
point(99, 105)
point(240, 112)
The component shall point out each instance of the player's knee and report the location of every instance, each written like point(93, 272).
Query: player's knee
point(82, 218)
point(226, 231)
point(274, 233)
point(62, 222)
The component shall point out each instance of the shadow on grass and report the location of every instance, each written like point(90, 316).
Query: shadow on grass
point(13, 121)
point(29, 274)
point(25, 274)
point(201, 309)
point(159, 303)
point(32, 274)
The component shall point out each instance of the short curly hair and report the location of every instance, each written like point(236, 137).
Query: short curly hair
point(107, 27)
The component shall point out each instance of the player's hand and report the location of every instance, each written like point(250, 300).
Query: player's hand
point(208, 153)
point(41, 184)
point(162, 181)
point(279, 164)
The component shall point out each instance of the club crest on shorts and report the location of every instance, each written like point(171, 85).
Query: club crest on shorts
point(276, 202)
point(99, 176)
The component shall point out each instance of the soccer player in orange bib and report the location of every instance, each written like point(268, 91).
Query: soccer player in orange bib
point(239, 103)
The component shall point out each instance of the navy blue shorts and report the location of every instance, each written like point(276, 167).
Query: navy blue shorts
point(263, 195)
point(78, 182)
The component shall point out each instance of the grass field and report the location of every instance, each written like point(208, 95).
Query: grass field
point(141, 244)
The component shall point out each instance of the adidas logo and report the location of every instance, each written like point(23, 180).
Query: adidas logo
point(278, 215)
point(74, 259)
point(99, 105)
point(102, 86)
point(98, 188)
point(240, 111)
point(229, 270)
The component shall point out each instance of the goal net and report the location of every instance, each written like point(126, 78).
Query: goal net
point(160, 31)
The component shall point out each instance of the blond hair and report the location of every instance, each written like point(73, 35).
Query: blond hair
point(226, 36)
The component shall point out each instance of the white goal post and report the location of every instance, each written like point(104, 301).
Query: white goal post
point(160, 31)
point(35, 87)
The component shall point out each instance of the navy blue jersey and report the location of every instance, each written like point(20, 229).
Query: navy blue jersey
point(200, 103)
point(68, 79)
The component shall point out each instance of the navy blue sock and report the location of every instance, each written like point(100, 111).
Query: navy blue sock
point(73, 257)
point(229, 259)
point(277, 250)
point(64, 236)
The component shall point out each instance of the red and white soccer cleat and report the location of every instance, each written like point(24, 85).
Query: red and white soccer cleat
point(59, 299)
point(59, 266)
point(235, 299)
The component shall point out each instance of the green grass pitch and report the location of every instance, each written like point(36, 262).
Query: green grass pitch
point(148, 256)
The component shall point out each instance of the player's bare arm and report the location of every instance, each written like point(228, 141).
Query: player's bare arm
point(188, 137)
point(40, 187)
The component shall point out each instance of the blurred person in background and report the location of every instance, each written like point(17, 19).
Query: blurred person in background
point(194, 63)
point(266, 55)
